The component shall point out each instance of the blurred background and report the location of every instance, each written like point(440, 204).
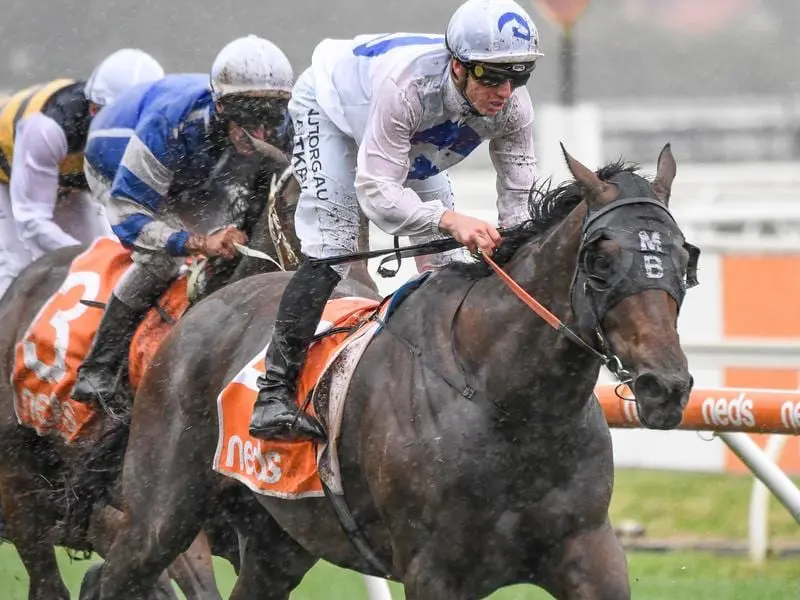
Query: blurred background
point(720, 80)
point(633, 50)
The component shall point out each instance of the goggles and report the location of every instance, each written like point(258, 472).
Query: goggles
point(493, 75)
point(252, 112)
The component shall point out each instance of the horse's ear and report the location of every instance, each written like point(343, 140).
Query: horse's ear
point(270, 153)
point(598, 190)
point(665, 174)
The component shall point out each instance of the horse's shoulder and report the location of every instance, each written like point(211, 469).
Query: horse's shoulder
point(443, 285)
point(259, 281)
point(431, 306)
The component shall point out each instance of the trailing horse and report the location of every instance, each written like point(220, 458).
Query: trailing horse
point(472, 452)
point(57, 493)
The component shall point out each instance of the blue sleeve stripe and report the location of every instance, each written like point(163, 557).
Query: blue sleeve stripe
point(128, 185)
point(129, 229)
point(140, 160)
point(111, 132)
point(176, 243)
point(105, 154)
point(383, 44)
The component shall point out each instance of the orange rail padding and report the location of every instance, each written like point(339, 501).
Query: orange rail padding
point(717, 409)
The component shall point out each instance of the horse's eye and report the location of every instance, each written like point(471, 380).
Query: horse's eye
point(599, 264)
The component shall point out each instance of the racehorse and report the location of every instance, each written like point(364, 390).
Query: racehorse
point(59, 494)
point(473, 453)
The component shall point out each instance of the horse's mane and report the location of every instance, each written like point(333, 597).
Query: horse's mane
point(547, 207)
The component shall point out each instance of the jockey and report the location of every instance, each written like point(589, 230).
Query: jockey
point(395, 111)
point(43, 204)
point(161, 141)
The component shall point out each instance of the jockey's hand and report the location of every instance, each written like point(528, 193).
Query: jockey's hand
point(473, 233)
point(220, 243)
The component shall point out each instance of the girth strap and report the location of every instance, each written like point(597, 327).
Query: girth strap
point(356, 535)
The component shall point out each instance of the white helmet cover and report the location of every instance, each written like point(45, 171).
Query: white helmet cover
point(120, 71)
point(492, 31)
point(250, 64)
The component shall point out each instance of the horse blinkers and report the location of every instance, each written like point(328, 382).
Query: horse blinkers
point(653, 255)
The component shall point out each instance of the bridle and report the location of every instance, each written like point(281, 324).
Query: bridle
point(597, 292)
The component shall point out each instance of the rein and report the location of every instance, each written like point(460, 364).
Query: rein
point(611, 362)
point(397, 253)
point(252, 253)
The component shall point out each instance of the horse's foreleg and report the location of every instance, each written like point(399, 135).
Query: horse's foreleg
point(29, 519)
point(223, 539)
point(194, 571)
point(160, 520)
point(591, 565)
point(166, 490)
point(40, 563)
point(271, 568)
point(272, 563)
point(423, 581)
point(90, 587)
point(138, 557)
point(103, 526)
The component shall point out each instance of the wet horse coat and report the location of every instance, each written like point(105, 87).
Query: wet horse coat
point(35, 470)
point(526, 461)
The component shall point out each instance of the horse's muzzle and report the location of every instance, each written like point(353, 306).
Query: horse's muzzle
point(661, 397)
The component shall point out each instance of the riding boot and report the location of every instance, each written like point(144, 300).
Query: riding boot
point(276, 415)
point(98, 373)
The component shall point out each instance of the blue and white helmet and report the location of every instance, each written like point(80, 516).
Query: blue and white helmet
point(492, 31)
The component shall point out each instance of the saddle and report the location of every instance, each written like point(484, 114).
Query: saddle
point(54, 345)
point(297, 469)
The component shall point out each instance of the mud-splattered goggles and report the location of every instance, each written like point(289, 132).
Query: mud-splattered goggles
point(493, 75)
point(252, 112)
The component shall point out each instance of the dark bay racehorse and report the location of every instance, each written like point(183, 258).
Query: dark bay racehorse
point(58, 494)
point(458, 496)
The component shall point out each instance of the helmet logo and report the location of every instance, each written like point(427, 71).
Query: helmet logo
point(522, 32)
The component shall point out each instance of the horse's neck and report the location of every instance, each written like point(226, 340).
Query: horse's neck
point(524, 364)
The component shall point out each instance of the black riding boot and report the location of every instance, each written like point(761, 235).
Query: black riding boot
point(97, 375)
point(275, 414)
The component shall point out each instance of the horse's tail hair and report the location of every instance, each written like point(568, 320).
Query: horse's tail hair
point(92, 483)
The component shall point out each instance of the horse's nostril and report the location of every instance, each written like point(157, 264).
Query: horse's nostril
point(669, 388)
point(648, 384)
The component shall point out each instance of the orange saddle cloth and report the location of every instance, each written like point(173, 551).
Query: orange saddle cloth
point(282, 469)
point(48, 355)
